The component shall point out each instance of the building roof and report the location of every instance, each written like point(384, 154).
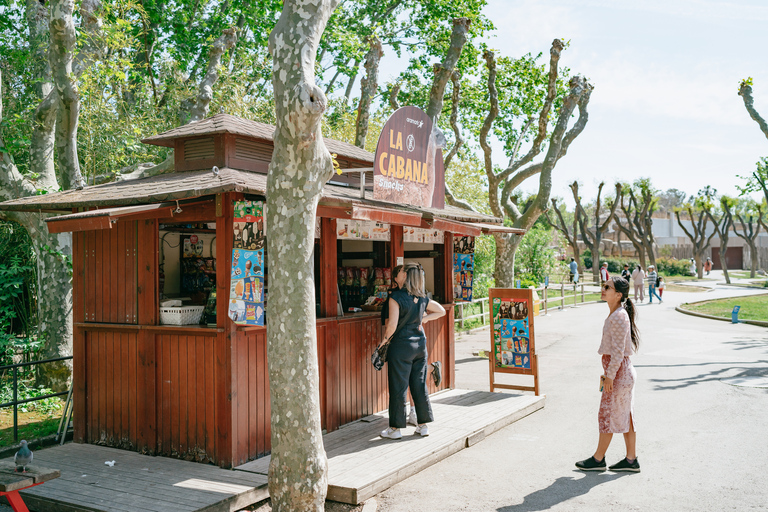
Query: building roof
point(225, 123)
point(185, 185)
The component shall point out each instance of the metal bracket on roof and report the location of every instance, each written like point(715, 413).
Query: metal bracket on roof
point(178, 208)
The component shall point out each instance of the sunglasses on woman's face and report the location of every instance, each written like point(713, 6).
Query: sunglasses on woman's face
point(607, 287)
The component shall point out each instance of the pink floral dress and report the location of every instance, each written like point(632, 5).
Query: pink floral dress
point(617, 408)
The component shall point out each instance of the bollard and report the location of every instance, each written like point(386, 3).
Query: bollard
point(735, 314)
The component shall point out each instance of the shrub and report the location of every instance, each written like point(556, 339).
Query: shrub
point(615, 265)
point(673, 267)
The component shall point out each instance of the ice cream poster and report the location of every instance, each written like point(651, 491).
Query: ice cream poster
point(246, 293)
point(511, 333)
point(463, 265)
point(249, 228)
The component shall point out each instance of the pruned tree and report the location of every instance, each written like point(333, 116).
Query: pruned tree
point(503, 183)
point(637, 224)
point(750, 229)
point(698, 233)
point(52, 141)
point(300, 167)
point(722, 229)
point(571, 235)
point(592, 234)
point(745, 91)
point(368, 89)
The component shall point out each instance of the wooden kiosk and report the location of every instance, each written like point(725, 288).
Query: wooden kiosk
point(201, 392)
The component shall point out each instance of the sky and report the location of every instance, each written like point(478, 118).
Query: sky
point(666, 77)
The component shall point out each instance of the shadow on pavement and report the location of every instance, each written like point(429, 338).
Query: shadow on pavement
point(562, 489)
point(714, 375)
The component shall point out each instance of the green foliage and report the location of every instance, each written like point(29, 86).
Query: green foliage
point(535, 258)
point(46, 406)
point(673, 267)
point(485, 263)
point(18, 281)
point(615, 265)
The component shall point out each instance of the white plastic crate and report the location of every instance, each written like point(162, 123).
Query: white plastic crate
point(184, 315)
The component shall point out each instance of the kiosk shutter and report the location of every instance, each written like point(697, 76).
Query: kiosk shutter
point(109, 274)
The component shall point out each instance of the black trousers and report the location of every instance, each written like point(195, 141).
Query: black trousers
point(407, 366)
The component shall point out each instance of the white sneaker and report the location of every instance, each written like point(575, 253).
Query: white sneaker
point(422, 430)
point(412, 418)
point(391, 433)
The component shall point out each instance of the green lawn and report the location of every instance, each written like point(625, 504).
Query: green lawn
point(32, 425)
point(752, 308)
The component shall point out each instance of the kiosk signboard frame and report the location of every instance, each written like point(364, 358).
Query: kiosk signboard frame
point(513, 347)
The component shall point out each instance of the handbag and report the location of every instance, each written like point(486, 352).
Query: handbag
point(437, 373)
point(379, 356)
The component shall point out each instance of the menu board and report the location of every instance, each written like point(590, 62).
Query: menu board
point(425, 236)
point(246, 293)
point(512, 336)
point(361, 230)
point(511, 333)
point(463, 268)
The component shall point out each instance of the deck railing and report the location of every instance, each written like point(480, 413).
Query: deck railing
point(15, 403)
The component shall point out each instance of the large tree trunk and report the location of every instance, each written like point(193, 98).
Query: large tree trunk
point(506, 247)
point(300, 167)
point(368, 87)
point(723, 262)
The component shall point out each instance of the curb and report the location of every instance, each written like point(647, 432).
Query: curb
point(759, 323)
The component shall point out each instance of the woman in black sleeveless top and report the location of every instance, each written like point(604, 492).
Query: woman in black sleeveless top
point(407, 355)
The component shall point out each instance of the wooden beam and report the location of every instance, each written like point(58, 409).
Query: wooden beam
point(397, 246)
point(81, 224)
point(395, 217)
point(453, 226)
point(200, 212)
point(334, 212)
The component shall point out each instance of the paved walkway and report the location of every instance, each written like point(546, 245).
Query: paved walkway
point(701, 442)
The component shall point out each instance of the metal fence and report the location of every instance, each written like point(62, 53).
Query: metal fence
point(15, 403)
point(558, 296)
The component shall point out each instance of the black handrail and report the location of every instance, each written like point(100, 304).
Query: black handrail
point(16, 402)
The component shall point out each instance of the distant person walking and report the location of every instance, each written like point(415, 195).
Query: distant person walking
point(692, 270)
point(661, 286)
point(616, 416)
point(574, 271)
point(638, 280)
point(626, 273)
point(708, 265)
point(604, 273)
point(651, 277)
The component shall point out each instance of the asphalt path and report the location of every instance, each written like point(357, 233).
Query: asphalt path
point(702, 444)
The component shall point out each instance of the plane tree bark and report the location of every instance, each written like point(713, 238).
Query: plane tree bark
point(637, 224)
point(368, 88)
point(300, 167)
point(745, 91)
point(750, 229)
point(592, 236)
point(698, 233)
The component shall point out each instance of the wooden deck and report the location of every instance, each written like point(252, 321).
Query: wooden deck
point(362, 464)
point(138, 482)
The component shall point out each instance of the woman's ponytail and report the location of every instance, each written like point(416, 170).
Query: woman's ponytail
point(629, 307)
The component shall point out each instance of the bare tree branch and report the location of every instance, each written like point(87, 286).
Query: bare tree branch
point(226, 41)
point(493, 112)
point(749, 233)
point(571, 236)
point(393, 92)
point(454, 119)
point(368, 87)
point(444, 70)
point(745, 91)
point(554, 59)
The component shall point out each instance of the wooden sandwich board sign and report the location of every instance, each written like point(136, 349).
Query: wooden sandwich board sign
point(513, 347)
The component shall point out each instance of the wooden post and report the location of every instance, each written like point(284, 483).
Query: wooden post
point(575, 295)
point(582, 292)
point(147, 241)
point(482, 313)
point(562, 296)
point(328, 268)
point(396, 245)
point(461, 314)
point(446, 269)
point(546, 301)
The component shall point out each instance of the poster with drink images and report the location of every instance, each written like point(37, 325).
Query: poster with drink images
point(246, 293)
point(463, 267)
point(511, 333)
point(424, 236)
point(361, 230)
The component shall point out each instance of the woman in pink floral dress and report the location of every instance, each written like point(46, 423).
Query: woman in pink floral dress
point(616, 416)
